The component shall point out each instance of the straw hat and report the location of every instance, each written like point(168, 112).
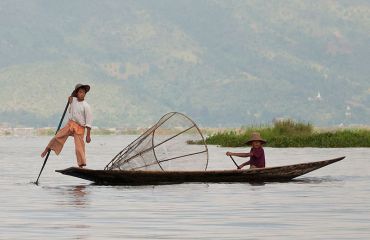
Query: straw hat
point(78, 86)
point(255, 137)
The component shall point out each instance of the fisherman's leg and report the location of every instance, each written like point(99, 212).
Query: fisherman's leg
point(80, 149)
point(57, 142)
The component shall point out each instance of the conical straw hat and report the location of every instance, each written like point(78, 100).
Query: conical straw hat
point(78, 86)
point(255, 137)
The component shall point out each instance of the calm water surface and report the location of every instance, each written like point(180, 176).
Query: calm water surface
point(330, 203)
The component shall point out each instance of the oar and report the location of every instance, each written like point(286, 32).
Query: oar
point(47, 156)
point(237, 166)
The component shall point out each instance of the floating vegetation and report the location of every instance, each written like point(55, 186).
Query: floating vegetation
point(288, 133)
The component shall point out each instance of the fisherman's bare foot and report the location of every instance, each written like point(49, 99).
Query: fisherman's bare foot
point(43, 154)
point(82, 166)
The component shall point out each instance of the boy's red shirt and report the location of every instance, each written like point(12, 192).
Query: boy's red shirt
point(258, 158)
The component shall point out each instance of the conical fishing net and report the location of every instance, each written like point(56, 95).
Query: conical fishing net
point(165, 147)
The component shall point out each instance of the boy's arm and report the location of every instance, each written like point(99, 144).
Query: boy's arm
point(88, 138)
point(88, 119)
point(88, 116)
point(238, 154)
point(70, 100)
point(244, 164)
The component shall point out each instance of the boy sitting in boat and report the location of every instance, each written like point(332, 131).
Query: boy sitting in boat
point(256, 154)
point(80, 117)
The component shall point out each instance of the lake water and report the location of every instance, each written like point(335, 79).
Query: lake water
point(330, 203)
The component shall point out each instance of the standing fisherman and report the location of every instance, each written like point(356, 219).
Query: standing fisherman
point(80, 117)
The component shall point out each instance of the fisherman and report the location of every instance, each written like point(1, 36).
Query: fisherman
point(80, 117)
point(256, 154)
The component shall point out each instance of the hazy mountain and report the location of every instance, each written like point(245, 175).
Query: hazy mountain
point(224, 63)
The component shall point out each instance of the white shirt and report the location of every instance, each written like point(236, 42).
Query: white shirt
point(80, 112)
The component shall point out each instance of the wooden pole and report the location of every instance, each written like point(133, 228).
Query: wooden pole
point(237, 166)
point(47, 156)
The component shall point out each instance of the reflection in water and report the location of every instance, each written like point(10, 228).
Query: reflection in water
point(257, 183)
point(315, 180)
point(79, 195)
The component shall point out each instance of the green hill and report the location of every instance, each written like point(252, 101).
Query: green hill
point(224, 63)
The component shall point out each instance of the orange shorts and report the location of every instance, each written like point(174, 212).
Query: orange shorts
point(71, 129)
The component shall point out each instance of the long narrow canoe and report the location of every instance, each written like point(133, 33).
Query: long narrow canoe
point(123, 177)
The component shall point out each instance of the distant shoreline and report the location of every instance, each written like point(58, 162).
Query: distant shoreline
point(49, 131)
point(280, 135)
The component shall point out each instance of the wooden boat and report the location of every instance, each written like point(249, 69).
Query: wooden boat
point(124, 177)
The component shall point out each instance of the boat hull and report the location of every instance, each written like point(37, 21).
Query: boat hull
point(122, 177)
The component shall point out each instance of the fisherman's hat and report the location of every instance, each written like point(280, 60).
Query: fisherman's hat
point(78, 86)
point(255, 137)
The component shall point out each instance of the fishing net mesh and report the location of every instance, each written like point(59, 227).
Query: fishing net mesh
point(165, 147)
